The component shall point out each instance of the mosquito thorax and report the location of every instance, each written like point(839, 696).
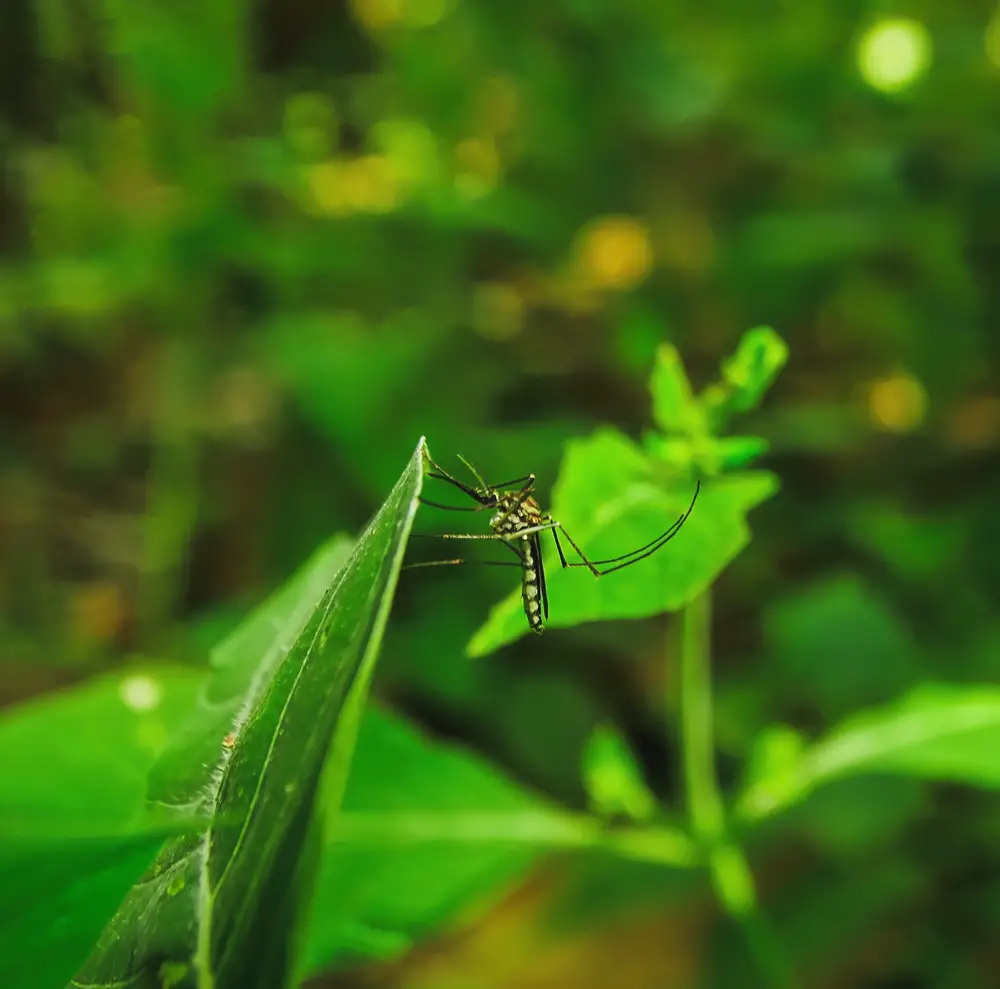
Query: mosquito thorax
point(514, 513)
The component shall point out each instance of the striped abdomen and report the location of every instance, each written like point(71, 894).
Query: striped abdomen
point(531, 591)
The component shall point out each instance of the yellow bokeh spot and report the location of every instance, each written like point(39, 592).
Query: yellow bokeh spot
point(477, 167)
point(376, 15)
point(893, 53)
point(897, 404)
point(614, 252)
point(360, 185)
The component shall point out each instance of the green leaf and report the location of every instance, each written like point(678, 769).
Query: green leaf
point(72, 836)
point(252, 651)
point(221, 911)
point(674, 407)
point(937, 731)
point(775, 761)
point(747, 375)
point(613, 779)
point(428, 831)
point(610, 500)
point(707, 454)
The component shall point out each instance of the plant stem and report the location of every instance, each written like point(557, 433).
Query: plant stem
point(730, 871)
point(533, 828)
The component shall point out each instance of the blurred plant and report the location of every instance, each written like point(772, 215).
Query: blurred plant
point(286, 864)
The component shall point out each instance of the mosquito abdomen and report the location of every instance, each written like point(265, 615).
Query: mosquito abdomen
point(530, 591)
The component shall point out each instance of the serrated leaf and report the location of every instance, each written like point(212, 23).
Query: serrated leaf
point(610, 500)
point(73, 838)
point(220, 911)
point(937, 731)
point(613, 779)
point(674, 407)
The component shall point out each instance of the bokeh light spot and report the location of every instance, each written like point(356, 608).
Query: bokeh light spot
point(361, 185)
point(893, 53)
point(897, 404)
point(614, 252)
point(410, 148)
point(376, 15)
point(140, 692)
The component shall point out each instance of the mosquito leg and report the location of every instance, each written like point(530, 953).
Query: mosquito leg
point(446, 563)
point(511, 483)
point(452, 508)
point(579, 552)
point(662, 541)
point(527, 531)
point(454, 535)
point(633, 556)
point(559, 549)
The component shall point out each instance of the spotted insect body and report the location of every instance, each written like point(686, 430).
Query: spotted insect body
point(517, 523)
point(515, 514)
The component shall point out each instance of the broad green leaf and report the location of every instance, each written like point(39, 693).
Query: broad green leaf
point(251, 652)
point(422, 855)
point(613, 779)
point(674, 407)
point(610, 500)
point(937, 731)
point(220, 911)
point(73, 838)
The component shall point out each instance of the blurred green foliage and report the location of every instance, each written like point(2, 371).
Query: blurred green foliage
point(249, 254)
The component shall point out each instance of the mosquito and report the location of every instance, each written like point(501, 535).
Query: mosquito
point(518, 522)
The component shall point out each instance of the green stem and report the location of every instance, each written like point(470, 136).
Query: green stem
point(728, 866)
point(536, 828)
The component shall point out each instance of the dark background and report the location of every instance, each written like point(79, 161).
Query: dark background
point(250, 253)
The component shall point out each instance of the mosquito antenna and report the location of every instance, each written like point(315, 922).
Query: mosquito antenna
point(475, 473)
